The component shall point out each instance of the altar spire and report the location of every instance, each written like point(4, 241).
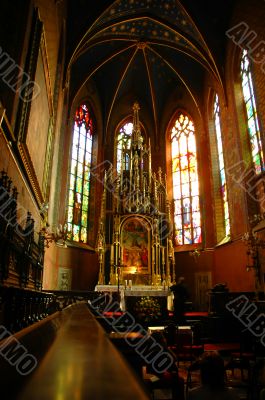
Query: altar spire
point(137, 139)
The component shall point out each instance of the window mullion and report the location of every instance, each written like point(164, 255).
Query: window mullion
point(190, 197)
point(181, 193)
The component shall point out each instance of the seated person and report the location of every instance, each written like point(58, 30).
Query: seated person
point(169, 378)
point(212, 380)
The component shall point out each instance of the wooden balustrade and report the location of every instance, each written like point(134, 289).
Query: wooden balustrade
point(20, 308)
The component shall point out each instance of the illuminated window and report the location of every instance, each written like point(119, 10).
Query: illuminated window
point(124, 144)
point(79, 190)
point(252, 118)
point(223, 186)
point(187, 218)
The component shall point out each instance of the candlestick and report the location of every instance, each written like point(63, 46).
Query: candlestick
point(117, 254)
point(157, 261)
point(111, 254)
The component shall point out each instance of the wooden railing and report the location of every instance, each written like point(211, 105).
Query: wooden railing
point(20, 308)
point(74, 359)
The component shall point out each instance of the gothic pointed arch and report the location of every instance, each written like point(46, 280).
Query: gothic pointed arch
point(79, 189)
point(185, 180)
point(220, 188)
point(251, 113)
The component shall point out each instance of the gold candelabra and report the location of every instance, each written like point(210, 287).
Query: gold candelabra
point(195, 254)
point(253, 242)
point(59, 235)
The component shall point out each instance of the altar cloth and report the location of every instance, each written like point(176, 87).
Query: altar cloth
point(137, 291)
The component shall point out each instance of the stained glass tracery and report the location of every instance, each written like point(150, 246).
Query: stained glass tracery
point(223, 185)
point(79, 187)
point(251, 110)
point(123, 144)
point(187, 216)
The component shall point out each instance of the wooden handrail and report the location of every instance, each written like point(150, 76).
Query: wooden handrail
point(81, 363)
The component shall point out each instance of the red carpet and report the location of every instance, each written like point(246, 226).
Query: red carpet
point(192, 314)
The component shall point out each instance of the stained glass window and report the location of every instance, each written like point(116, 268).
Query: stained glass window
point(79, 182)
point(223, 186)
point(252, 118)
point(187, 216)
point(123, 144)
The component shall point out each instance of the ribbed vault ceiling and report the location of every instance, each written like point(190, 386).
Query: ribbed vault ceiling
point(142, 50)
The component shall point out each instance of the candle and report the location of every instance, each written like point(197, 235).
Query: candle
point(163, 255)
point(130, 283)
point(157, 266)
point(111, 254)
point(117, 254)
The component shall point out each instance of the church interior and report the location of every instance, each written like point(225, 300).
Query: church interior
point(132, 158)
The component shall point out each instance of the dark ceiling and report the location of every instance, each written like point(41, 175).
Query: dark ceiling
point(145, 50)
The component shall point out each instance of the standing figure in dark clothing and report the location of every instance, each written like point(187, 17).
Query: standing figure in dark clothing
point(181, 295)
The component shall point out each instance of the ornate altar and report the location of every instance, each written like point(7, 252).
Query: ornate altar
point(135, 233)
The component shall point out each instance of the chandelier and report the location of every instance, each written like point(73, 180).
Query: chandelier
point(59, 235)
point(195, 254)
